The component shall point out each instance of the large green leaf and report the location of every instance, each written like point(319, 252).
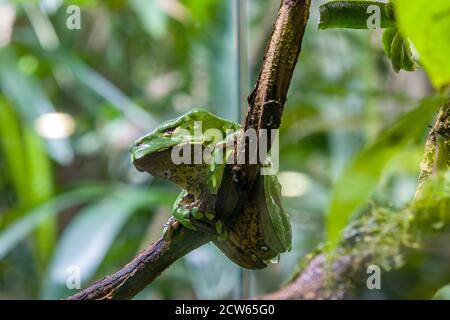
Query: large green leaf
point(30, 172)
point(13, 151)
point(361, 177)
point(427, 24)
point(40, 185)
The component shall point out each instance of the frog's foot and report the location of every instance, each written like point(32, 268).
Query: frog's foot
point(183, 216)
point(207, 221)
point(187, 210)
point(199, 215)
point(169, 228)
point(222, 233)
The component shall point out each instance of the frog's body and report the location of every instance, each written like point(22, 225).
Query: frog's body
point(262, 229)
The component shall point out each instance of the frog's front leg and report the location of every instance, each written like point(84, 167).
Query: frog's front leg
point(198, 214)
point(169, 228)
point(184, 209)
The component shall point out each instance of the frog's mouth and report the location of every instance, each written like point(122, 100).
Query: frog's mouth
point(152, 163)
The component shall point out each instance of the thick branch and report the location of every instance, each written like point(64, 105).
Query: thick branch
point(265, 110)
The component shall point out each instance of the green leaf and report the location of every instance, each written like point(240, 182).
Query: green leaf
point(362, 175)
point(397, 52)
point(427, 24)
point(40, 184)
point(30, 172)
point(443, 293)
point(26, 94)
point(388, 37)
point(13, 151)
point(352, 14)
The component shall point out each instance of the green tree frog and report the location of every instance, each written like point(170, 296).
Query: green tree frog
point(186, 151)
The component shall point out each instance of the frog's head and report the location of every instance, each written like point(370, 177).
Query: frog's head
point(152, 153)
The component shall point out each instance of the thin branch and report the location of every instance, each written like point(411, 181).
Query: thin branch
point(265, 110)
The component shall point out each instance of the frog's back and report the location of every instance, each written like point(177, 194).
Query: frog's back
point(210, 121)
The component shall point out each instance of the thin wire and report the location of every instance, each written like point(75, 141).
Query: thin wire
point(240, 21)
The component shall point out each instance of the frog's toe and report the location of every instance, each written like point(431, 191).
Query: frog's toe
point(196, 214)
point(219, 226)
point(223, 236)
point(210, 216)
point(183, 215)
point(188, 224)
point(169, 228)
point(222, 233)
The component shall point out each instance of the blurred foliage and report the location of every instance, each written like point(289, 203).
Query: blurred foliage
point(76, 200)
point(366, 168)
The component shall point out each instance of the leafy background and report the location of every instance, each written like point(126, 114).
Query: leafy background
point(352, 130)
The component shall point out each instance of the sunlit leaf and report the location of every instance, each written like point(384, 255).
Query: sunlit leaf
point(427, 24)
point(40, 184)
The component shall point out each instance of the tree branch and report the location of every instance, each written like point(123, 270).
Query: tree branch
point(142, 270)
point(266, 102)
point(265, 110)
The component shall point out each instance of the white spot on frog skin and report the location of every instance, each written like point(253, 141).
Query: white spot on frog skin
point(264, 248)
point(167, 174)
point(140, 151)
point(275, 260)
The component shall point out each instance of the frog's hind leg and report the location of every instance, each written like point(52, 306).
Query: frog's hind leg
point(198, 214)
point(204, 217)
